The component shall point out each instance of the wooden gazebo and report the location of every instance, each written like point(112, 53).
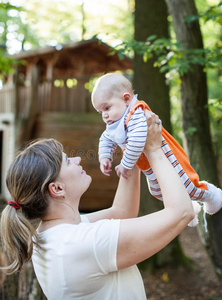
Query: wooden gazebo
point(49, 96)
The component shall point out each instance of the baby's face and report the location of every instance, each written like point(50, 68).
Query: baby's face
point(112, 109)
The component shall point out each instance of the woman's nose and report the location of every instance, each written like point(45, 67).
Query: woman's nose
point(77, 160)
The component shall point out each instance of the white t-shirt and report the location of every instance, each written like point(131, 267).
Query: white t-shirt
point(79, 262)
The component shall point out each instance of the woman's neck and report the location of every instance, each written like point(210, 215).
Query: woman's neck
point(62, 214)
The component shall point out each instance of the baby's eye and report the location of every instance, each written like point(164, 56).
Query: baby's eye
point(107, 107)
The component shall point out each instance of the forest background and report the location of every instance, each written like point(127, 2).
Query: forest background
point(26, 25)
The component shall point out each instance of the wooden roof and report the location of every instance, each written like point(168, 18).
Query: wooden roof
point(87, 57)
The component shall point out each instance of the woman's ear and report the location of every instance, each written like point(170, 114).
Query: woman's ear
point(127, 98)
point(56, 189)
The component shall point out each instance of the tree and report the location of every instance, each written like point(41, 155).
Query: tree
point(13, 33)
point(14, 30)
point(195, 113)
point(151, 19)
point(74, 20)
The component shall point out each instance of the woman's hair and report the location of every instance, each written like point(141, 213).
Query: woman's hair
point(27, 180)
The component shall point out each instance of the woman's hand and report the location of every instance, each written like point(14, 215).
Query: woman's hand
point(154, 132)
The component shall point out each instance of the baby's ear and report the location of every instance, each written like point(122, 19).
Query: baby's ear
point(127, 98)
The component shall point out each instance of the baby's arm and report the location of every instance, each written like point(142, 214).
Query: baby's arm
point(136, 139)
point(106, 149)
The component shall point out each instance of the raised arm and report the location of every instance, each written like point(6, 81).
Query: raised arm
point(126, 201)
point(140, 238)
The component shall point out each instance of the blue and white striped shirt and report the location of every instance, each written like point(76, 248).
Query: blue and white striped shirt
point(131, 138)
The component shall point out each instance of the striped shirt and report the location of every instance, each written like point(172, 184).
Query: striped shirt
point(133, 141)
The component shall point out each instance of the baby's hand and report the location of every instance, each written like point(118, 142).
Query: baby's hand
point(120, 170)
point(106, 166)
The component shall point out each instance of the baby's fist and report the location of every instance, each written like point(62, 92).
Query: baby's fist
point(105, 166)
point(120, 170)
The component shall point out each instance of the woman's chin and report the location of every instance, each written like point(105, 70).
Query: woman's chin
point(90, 179)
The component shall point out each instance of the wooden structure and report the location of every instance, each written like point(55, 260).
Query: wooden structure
point(49, 96)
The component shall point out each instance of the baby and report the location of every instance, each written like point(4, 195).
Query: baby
point(126, 126)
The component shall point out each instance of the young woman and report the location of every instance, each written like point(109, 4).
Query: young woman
point(92, 256)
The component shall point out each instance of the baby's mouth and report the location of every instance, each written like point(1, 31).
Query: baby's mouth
point(109, 122)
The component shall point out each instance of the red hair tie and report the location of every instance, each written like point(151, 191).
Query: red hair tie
point(14, 204)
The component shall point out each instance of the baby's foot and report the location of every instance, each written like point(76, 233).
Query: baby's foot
point(196, 208)
point(214, 203)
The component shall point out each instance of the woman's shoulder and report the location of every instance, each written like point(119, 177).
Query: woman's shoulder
point(68, 228)
point(82, 233)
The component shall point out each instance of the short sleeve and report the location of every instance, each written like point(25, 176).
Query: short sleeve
point(84, 218)
point(105, 244)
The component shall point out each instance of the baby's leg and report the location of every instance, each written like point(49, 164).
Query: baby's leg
point(213, 202)
point(155, 190)
point(153, 184)
point(194, 192)
point(210, 197)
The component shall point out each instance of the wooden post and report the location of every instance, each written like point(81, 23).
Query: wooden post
point(29, 119)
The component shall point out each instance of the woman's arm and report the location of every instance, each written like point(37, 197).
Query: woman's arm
point(126, 201)
point(140, 238)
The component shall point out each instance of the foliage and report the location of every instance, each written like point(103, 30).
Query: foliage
point(170, 56)
point(6, 64)
point(11, 29)
point(62, 21)
point(211, 13)
point(175, 61)
point(14, 31)
point(39, 23)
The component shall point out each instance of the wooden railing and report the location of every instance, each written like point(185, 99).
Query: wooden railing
point(7, 100)
point(47, 97)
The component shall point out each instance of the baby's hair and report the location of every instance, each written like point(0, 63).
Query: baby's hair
point(110, 84)
point(27, 180)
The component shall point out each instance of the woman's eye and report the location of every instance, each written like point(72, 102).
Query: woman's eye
point(68, 161)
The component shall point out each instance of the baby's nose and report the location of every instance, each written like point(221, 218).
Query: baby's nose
point(105, 114)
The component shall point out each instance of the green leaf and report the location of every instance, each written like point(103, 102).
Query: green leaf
point(151, 38)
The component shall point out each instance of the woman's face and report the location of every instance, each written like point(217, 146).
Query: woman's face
point(73, 177)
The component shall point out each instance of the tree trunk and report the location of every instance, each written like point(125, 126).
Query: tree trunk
point(196, 116)
point(22, 286)
point(149, 83)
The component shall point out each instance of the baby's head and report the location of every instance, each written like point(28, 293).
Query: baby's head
point(111, 96)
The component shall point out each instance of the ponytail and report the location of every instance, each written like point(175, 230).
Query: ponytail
point(27, 180)
point(17, 235)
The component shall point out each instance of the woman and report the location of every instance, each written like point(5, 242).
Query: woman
point(92, 256)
